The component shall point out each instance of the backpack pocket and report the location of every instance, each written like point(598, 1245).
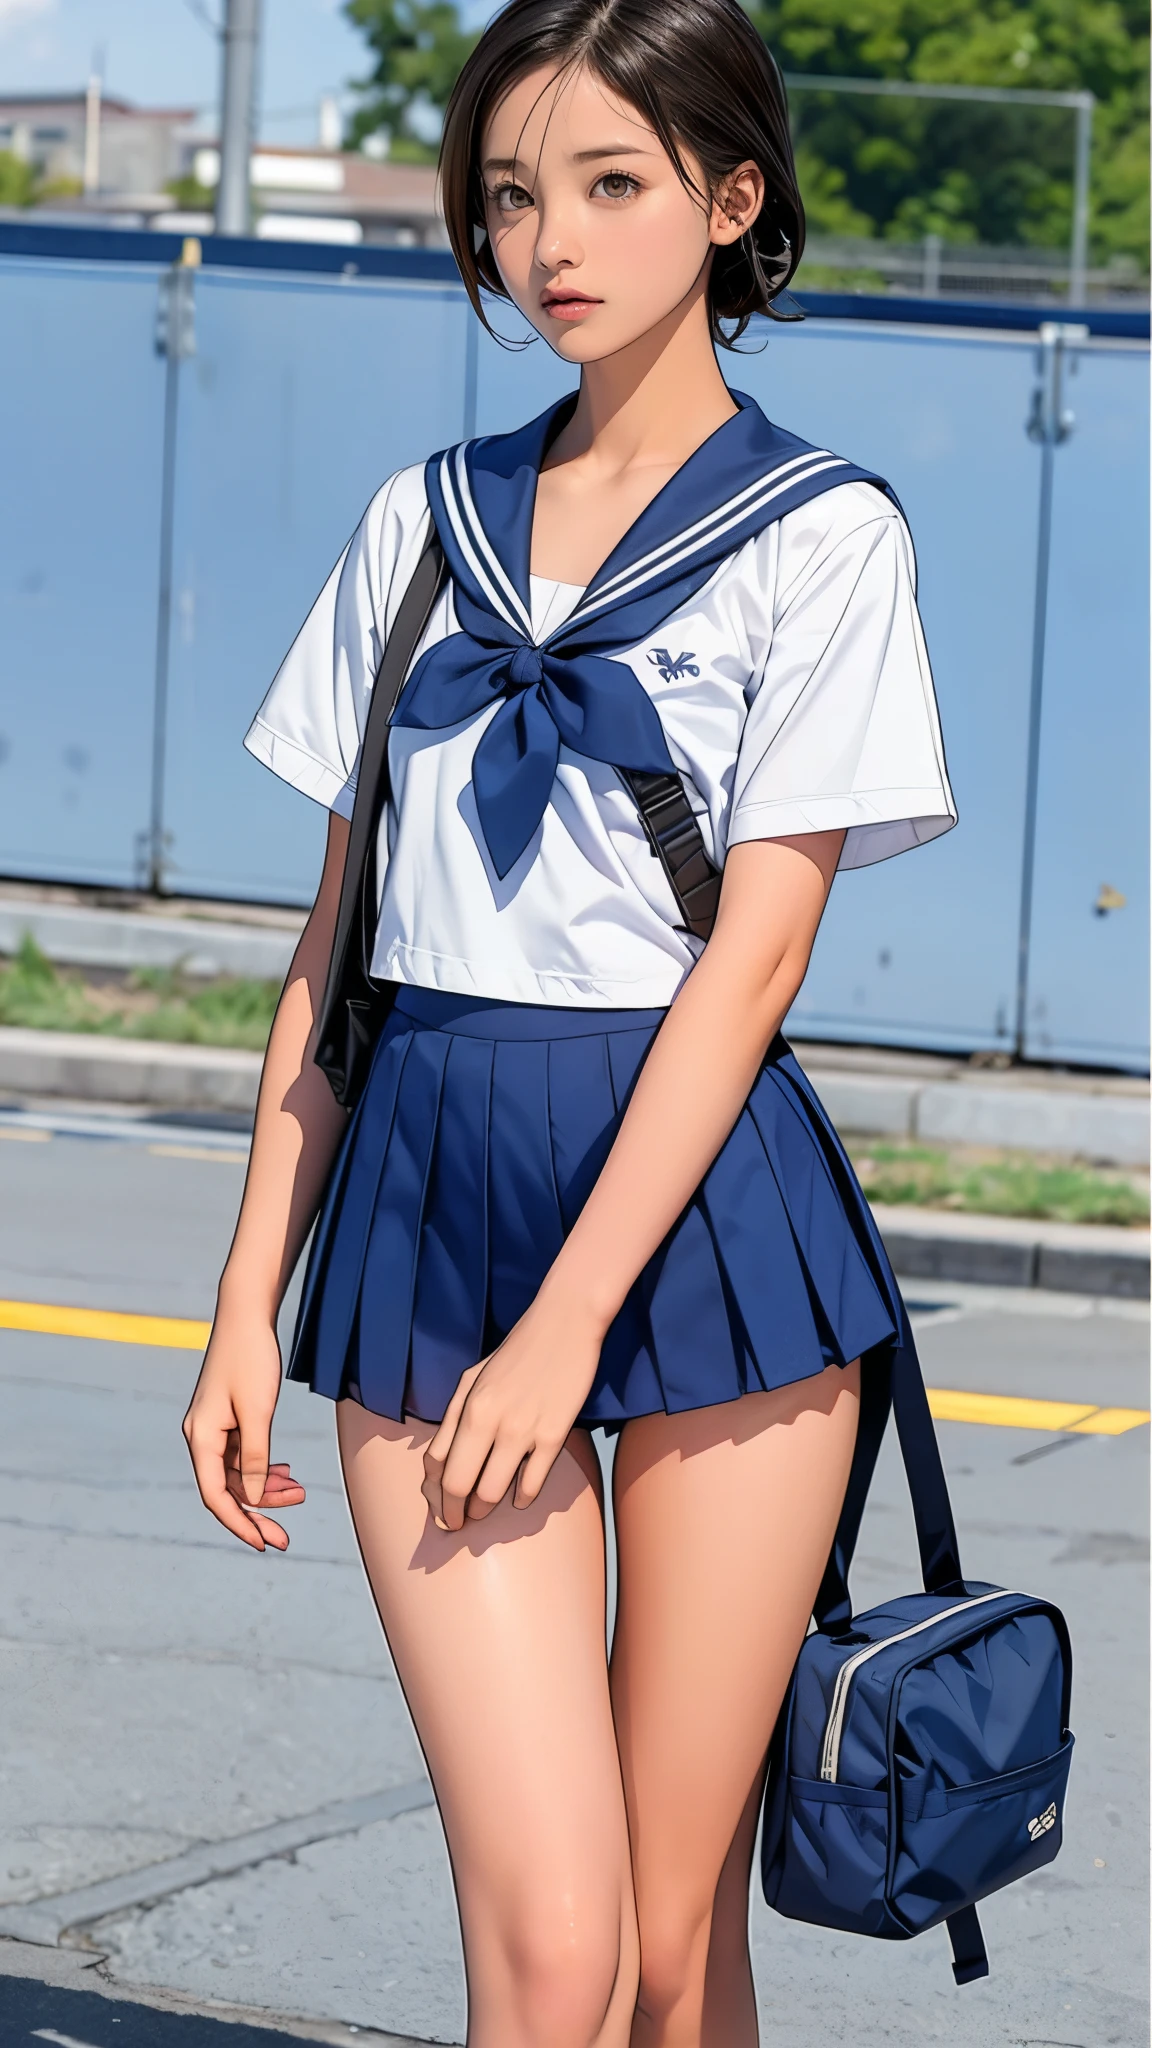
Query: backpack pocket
point(836, 1856)
point(961, 1842)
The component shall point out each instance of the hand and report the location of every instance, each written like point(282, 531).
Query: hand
point(510, 1415)
point(228, 1429)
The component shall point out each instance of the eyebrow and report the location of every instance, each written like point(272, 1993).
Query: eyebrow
point(582, 156)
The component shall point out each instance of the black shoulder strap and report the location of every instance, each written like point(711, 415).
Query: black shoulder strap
point(891, 1380)
point(357, 889)
point(677, 841)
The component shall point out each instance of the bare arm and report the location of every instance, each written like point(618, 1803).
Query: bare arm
point(298, 1127)
point(512, 1414)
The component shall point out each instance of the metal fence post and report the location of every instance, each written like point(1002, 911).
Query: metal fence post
point(1049, 423)
point(1078, 266)
point(175, 340)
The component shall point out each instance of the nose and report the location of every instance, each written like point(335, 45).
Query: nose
point(558, 246)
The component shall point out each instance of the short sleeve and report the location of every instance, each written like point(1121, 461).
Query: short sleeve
point(843, 731)
point(309, 727)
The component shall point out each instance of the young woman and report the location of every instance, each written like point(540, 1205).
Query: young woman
point(586, 1182)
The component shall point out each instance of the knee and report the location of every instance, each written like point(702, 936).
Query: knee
point(673, 1962)
point(567, 1981)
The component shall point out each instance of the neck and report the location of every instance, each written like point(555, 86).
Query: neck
point(653, 402)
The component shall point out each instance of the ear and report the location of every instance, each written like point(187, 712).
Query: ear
point(736, 203)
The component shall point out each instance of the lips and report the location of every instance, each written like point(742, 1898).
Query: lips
point(567, 305)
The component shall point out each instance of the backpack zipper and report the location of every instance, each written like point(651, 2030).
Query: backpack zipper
point(830, 1753)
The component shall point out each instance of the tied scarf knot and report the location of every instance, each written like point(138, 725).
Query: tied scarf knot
point(526, 667)
point(595, 706)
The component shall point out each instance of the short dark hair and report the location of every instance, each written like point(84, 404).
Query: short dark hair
point(705, 82)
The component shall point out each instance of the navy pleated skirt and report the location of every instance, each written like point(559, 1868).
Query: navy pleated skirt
point(479, 1136)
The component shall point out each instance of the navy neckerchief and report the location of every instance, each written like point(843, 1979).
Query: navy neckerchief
point(483, 497)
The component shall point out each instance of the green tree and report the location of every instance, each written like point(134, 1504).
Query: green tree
point(17, 180)
point(420, 48)
point(904, 168)
point(876, 166)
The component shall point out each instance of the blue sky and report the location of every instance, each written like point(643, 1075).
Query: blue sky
point(158, 53)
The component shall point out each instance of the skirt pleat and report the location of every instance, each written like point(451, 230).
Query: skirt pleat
point(524, 1224)
point(388, 1279)
point(331, 1295)
point(450, 1311)
point(479, 1137)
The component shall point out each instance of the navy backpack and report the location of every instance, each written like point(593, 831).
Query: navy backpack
point(921, 1755)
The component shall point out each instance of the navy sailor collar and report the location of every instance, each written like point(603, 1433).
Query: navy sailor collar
point(567, 689)
point(746, 475)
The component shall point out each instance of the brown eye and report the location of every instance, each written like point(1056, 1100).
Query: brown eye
point(615, 185)
point(512, 198)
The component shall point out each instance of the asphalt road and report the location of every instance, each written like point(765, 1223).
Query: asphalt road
point(208, 1777)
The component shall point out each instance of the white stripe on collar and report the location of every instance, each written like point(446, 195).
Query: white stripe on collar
point(464, 543)
point(710, 519)
point(498, 586)
point(768, 490)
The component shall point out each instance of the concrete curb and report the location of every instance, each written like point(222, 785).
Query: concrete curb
point(1015, 1251)
point(88, 1068)
point(129, 938)
point(1104, 1127)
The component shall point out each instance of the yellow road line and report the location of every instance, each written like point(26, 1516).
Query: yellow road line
point(177, 1333)
point(1110, 1422)
point(1010, 1411)
point(24, 1137)
point(948, 1404)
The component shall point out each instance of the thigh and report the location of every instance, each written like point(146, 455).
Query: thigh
point(724, 1520)
point(498, 1637)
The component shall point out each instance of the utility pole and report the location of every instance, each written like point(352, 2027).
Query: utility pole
point(241, 45)
point(92, 123)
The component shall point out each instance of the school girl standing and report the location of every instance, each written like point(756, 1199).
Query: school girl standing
point(670, 680)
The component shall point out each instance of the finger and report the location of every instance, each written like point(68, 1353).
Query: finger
point(432, 1490)
point(472, 1446)
point(281, 1486)
point(211, 1481)
point(274, 1536)
point(441, 1443)
point(495, 1480)
point(211, 1441)
point(436, 1453)
point(255, 1433)
point(534, 1472)
point(279, 1493)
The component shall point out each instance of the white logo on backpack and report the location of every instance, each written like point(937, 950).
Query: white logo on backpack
point(1042, 1822)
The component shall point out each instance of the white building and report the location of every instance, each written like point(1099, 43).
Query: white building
point(120, 160)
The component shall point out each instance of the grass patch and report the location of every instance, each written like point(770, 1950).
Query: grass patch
point(997, 1183)
point(151, 1002)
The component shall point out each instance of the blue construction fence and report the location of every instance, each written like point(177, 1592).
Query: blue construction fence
point(185, 452)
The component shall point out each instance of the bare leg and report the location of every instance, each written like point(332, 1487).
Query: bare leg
point(498, 1637)
point(724, 1520)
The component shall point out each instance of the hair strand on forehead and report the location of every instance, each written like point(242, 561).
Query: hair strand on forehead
point(703, 80)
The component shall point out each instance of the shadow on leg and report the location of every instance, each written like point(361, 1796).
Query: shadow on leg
point(724, 1520)
point(498, 1637)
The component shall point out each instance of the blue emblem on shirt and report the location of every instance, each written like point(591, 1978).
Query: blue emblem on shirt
point(673, 666)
